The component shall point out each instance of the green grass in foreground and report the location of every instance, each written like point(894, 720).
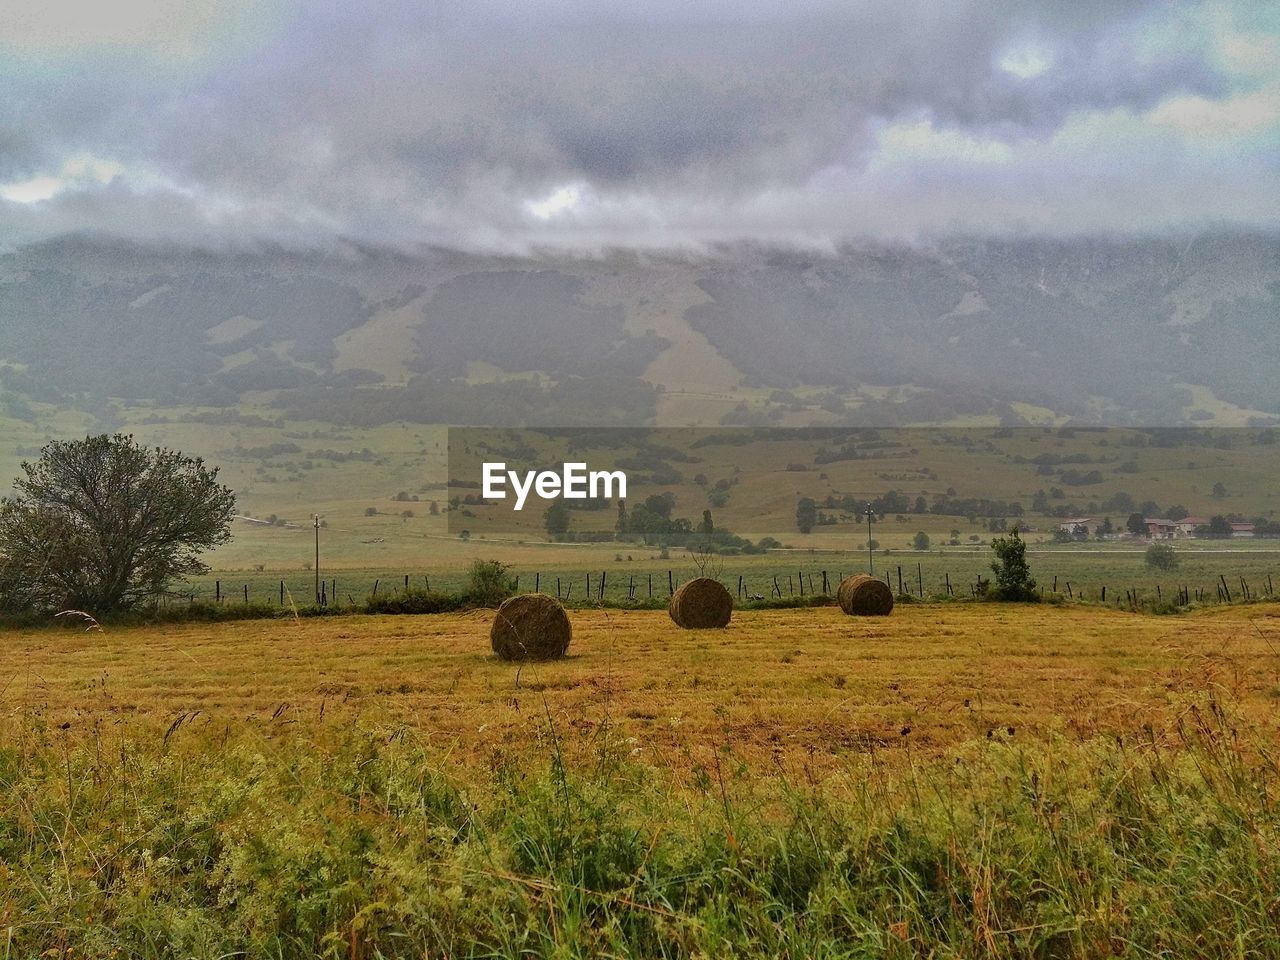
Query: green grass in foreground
point(340, 837)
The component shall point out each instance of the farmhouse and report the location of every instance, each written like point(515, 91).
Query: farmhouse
point(1187, 525)
point(1158, 529)
point(1242, 530)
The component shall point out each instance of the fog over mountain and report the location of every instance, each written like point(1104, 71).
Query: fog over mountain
point(560, 211)
point(1145, 331)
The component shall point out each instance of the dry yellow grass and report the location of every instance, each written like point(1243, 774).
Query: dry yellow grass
point(800, 685)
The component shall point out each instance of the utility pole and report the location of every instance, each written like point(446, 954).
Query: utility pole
point(871, 557)
point(315, 522)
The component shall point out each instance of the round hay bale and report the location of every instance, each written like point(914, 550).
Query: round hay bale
point(864, 596)
point(700, 604)
point(531, 626)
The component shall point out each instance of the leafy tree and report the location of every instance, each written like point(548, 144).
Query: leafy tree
point(806, 514)
point(1178, 512)
point(1161, 556)
point(1120, 502)
point(661, 504)
point(1013, 575)
point(370, 511)
point(1105, 528)
point(1219, 526)
point(102, 523)
point(707, 526)
point(1136, 524)
point(620, 528)
point(921, 541)
point(556, 519)
point(1219, 491)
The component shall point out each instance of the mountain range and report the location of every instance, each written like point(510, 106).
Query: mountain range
point(1125, 331)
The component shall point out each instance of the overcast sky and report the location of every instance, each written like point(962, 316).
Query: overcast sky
point(514, 124)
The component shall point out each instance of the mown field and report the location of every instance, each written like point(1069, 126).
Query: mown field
point(812, 682)
point(968, 780)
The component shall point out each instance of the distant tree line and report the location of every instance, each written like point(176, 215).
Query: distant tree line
point(652, 523)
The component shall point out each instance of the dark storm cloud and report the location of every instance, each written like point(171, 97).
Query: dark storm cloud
point(442, 122)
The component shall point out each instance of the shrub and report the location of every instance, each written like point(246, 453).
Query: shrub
point(1013, 576)
point(488, 582)
point(1161, 556)
point(417, 601)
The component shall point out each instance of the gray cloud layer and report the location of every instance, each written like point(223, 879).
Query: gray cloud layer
point(581, 124)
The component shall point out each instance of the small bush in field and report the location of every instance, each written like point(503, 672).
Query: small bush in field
point(488, 582)
point(1161, 556)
